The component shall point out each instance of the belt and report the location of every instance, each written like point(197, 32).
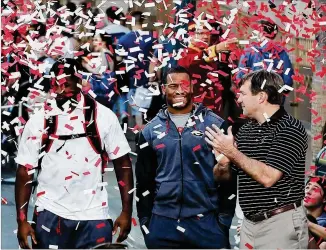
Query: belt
point(269, 214)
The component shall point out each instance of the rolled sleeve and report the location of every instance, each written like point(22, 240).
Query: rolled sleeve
point(115, 141)
point(288, 147)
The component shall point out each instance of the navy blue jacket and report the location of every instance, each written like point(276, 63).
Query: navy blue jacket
point(177, 170)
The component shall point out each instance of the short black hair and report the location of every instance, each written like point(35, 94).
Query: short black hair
point(138, 15)
point(110, 12)
point(272, 85)
point(176, 70)
point(74, 66)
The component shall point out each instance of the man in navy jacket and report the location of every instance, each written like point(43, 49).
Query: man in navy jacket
point(179, 202)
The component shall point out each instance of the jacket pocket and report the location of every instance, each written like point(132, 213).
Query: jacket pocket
point(169, 191)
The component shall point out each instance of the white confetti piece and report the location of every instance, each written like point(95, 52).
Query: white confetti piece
point(322, 23)
point(177, 104)
point(53, 247)
point(225, 34)
point(287, 27)
point(181, 229)
point(145, 229)
point(263, 84)
point(243, 42)
point(161, 135)
point(136, 198)
point(31, 172)
point(77, 226)
point(157, 126)
point(279, 65)
point(219, 157)
point(285, 87)
point(264, 43)
point(270, 67)
point(131, 191)
point(143, 145)
point(287, 71)
point(149, 5)
point(200, 215)
point(45, 228)
point(108, 169)
point(266, 117)
point(231, 196)
point(145, 193)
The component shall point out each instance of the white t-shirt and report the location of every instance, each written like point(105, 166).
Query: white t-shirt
point(70, 180)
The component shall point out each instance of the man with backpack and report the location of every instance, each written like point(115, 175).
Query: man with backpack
point(67, 142)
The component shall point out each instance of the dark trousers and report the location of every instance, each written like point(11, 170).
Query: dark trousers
point(51, 229)
point(204, 232)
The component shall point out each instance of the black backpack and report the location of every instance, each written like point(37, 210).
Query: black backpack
point(91, 132)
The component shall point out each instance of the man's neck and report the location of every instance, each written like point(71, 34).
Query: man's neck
point(136, 28)
point(315, 212)
point(186, 110)
point(268, 110)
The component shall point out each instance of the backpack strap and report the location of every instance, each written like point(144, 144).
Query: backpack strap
point(51, 126)
point(91, 129)
point(90, 124)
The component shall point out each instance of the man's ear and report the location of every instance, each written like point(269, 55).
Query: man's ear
point(263, 97)
point(163, 89)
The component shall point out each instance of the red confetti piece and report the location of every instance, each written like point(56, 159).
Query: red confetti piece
point(318, 119)
point(69, 127)
point(74, 118)
point(86, 173)
point(248, 246)
point(4, 201)
point(196, 148)
point(40, 193)
point(98, 226)
point(86, 159)
point(116, 150)
point(317, 137)
point(103, 203)
point(28, 166)
point(68, 177)
point(121, 183)
point(22, 120)
point(100, 240)
point(98, 162)
point(160, 146)
point(134, 222)
point(22, 215)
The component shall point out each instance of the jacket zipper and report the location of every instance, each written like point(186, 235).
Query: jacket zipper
point(180, 146)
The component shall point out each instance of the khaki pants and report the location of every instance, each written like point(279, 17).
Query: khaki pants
point(288, 230)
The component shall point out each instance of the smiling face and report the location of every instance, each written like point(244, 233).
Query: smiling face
point(314, 195)
point(248, 101)
point(178, 91)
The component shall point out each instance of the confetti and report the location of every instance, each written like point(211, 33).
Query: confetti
point(145, 193)
point(196, 148)
point(45, 228)
point(231, 196)
point(160, 146)
point(145, 229)
point(131, 191)
point(143, 145)
point(121, 183)
point(53, 247)
point(40, 193)
point(247, 245)
point(134, 222)
point(181, 229)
